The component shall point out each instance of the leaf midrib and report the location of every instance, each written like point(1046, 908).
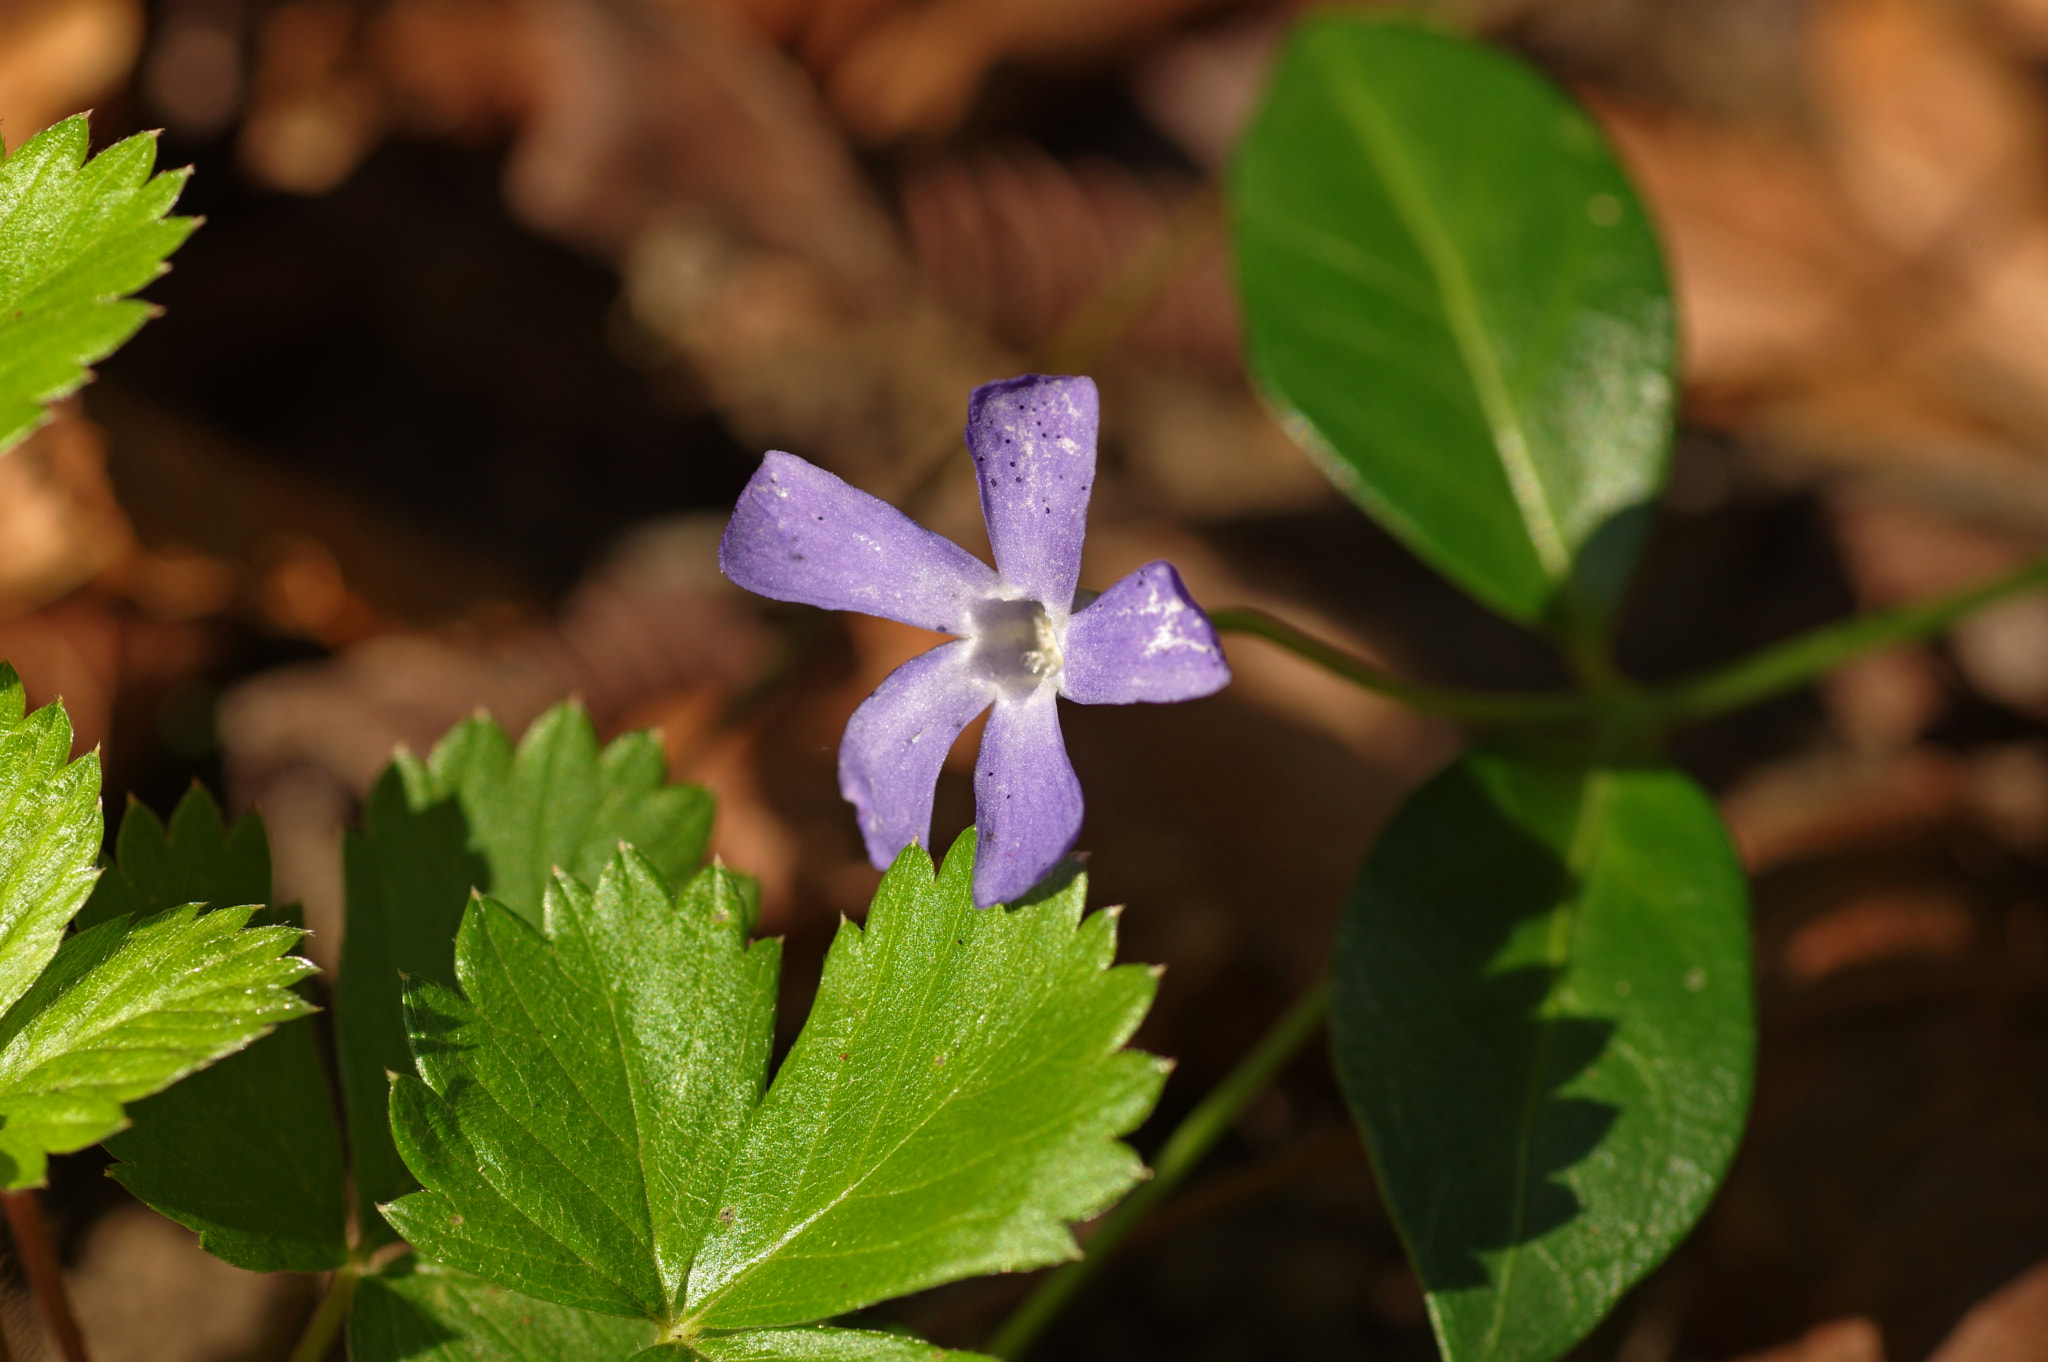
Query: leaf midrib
point(1585, 837)
point(774, 1251)
point(1461, 310)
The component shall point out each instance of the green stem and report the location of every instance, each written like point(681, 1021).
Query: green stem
point(1808, 657)
point(1777, 669)
point(1183, 1152)
point(333, 1311)
point(1471, 706)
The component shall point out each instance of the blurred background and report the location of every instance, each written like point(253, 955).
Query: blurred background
point(498, 302)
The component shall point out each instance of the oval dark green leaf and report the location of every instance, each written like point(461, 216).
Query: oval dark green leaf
point(1454, 297)
point(1544, 1025)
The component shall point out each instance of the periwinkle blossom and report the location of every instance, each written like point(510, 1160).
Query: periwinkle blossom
point(1022, 637)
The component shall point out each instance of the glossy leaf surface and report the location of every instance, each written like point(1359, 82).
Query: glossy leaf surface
point(1543, 1023)
point(581, 1096)
point(817, 1343)
point(951, 1103)
point(478, 815)
point(49, 834)
point(1456, 300)
point(76, 237)
point(589, 1126)
point(126, 1009)
point(423, 1312)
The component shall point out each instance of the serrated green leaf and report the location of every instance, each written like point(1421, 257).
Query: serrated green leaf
point(815, 1343)
point(246, 1152)
point(49, 834)
point(76, 238)
point(1454, 295)
point(197, 859)
point(126, 1009)
point(1543, 1023)
point(585, 1091)
point(424, 1312)
point(584, 1119)
point(952, 1102)
point(478, 815)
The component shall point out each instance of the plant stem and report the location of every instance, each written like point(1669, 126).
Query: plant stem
point(1799, 660)
point(45, 1277)
point(1472, 706)
point(1183, 1151)
point(327, 1320)
point(1776, 669)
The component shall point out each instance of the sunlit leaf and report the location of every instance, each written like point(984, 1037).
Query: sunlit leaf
point(479, 815)
point(77, 237)
point(126, 1009)
point(1458, 303)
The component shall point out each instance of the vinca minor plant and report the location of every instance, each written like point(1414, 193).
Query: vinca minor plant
point(552, 1127)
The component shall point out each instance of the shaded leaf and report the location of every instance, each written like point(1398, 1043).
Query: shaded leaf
point(126, 1009)
point(478, 815)
point(197, 859)
point(49, 834)
point(953, 1100)
point(246, 1152)
point(76, 237)
point(1454, 295)
point(424, 1312)
point(1543, 1023)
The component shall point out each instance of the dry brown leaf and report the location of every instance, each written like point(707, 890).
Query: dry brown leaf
point(59, 523)
point(1904, 922)
point(2012, 1326)
point(1842, 1340)
point(60, 57)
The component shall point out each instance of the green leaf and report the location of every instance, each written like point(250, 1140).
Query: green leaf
point(246, 1152)
point(126, 1009)
point(585, 1092)
point(424, 1312)
point(1458, 303)
point(953, 1100)
point(49, 834)
point(585, 1119)
point(197, 859)
point(1543, 1023)
point(76, 237)
point(477, 815)
point(817, 1343)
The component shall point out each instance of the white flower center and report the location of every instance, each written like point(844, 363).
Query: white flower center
point(1015, 644)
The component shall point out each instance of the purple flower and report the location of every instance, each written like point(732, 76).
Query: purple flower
point(800, 534)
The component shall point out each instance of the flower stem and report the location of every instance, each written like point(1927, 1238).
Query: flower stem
point(328, 1319)
point(1796, 661)
point(1776, 669)
point(1183, 1151)
point(1471, 706)
point(45, 1277)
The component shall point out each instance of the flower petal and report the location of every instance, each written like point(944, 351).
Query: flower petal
point(896, 741)
point(1027, 802)
point(1033, 441)
point(1143, 639)
point(801, 534)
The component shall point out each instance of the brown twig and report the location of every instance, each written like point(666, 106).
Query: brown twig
point(45, 1278)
